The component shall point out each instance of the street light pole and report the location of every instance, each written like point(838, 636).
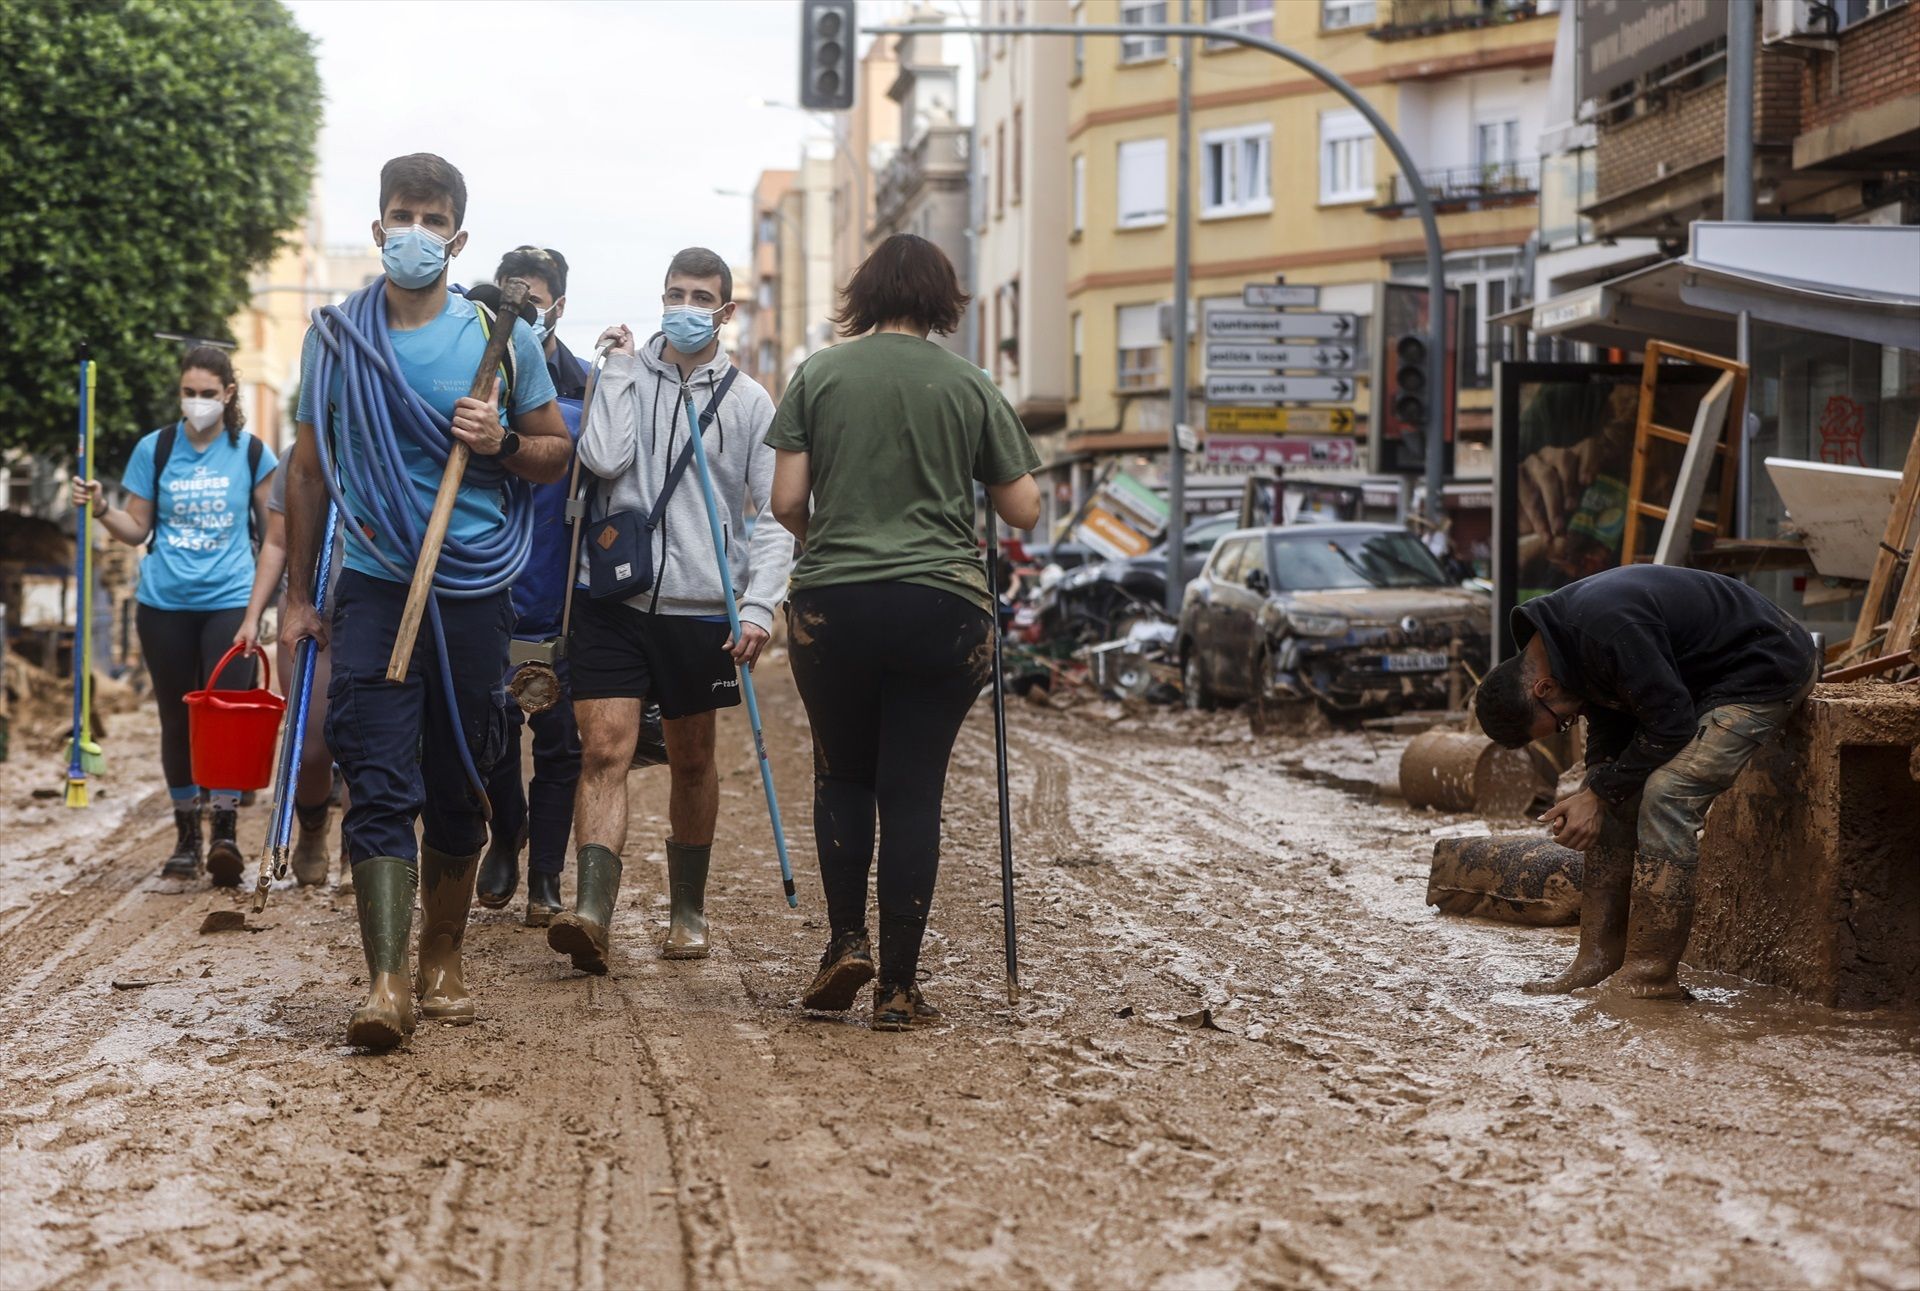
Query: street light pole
point(1417, 189)
point(1182, 279)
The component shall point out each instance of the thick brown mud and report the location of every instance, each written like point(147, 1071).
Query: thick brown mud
point(1248, 1055)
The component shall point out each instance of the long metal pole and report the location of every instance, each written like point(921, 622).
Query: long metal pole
point(1422, 200)
point(1737, 205)
point(1182, 280)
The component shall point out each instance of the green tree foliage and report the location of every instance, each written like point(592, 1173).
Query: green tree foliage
point(152, 154)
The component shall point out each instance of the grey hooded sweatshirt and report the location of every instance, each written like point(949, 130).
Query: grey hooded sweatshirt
point(635, 430)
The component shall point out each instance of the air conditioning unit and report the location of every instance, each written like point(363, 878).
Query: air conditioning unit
point(1809, 24)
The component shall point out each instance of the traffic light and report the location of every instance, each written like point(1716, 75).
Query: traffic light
point(828, 36)
point(1404, 391)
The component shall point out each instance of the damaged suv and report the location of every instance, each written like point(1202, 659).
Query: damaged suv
point(1357, 618)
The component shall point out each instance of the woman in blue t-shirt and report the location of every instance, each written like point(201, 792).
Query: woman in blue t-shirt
point(197, 490)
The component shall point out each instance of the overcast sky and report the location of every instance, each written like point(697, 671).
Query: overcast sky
point(624, 118)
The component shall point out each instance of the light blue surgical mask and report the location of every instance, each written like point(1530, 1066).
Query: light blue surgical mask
point(413, 256)
point(542, 324)
point(688, 330)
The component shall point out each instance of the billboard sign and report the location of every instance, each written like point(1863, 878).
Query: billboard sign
point(1621, 40)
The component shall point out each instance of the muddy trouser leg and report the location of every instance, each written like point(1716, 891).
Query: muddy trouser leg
point(556, 775)
point(374, 726)
point(504, 788)
point(1673, 810)
point(928, 691)
point(836, 671)
point(173, 644)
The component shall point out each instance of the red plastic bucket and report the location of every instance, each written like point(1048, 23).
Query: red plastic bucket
point(233, 732)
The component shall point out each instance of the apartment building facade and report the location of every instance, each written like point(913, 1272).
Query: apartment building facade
point(865, 139)
point(1289, 181)
point(759, 352)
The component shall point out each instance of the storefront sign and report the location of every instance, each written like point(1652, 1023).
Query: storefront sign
point(1619, 40)
point(1260, 450)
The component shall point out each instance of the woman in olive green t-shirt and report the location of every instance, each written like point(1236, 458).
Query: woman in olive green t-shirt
point(880, 444)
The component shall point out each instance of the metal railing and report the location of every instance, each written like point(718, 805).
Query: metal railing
point(1495, 181)
point(1407, 18)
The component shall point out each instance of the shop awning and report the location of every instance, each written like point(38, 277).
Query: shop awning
point(1854, 280)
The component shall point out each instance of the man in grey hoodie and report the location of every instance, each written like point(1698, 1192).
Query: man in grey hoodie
point(671, 642)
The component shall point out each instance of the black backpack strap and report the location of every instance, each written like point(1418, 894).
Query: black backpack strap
point(686, 454)
point(162, 454)
point(254, 450)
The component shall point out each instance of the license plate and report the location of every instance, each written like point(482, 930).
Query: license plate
point(1419, 661)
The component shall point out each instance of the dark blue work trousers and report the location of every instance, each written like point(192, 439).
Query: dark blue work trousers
point(544, 806)
point(394, 741)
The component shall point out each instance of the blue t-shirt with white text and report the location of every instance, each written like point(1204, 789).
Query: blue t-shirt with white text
point(202, 557)
point(437, 361)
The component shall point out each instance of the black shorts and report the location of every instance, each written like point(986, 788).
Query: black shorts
point(682, 664)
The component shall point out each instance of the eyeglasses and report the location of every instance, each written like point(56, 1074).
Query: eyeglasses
point(1560, 723)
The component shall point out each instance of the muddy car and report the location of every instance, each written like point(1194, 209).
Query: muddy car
point(1105, 599)
point(1356, 618)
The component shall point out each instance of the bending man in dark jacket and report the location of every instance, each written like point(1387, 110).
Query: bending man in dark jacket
point(1681, 675)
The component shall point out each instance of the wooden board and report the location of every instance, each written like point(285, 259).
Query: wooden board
point(1842, 510)
point(1899, 536)
point(1709, 422)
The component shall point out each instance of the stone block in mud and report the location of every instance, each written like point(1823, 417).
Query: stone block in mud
point(1514, 878)
point(1810, 863)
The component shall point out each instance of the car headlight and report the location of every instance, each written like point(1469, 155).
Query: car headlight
point(1316, 625)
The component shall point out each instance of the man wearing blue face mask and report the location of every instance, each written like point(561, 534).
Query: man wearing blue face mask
point(660, 630)
point(385, 380)
point(538, 815)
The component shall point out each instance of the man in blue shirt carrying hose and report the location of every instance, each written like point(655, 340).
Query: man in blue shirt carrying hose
point(538, 816)
point(404, 748)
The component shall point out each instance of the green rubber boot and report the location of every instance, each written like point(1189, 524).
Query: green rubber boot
point(687, 889)
point(383, 893)
point(446, 895)
point(582, 931)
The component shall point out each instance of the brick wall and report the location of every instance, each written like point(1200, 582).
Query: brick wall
point(1691, 128)
point(1878, 60)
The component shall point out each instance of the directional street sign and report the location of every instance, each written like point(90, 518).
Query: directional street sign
point(1278, 295)
point(1261, 450)
point(1332, 357)
point(1266, 389)
point(1229, 420)
point(1247, 324)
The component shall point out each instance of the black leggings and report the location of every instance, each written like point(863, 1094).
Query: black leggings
point(180, 648)
point(887, 672)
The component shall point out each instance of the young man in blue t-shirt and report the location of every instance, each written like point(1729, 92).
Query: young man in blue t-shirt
point(391, 740)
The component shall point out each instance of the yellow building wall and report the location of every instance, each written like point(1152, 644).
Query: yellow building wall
point(1110, 103)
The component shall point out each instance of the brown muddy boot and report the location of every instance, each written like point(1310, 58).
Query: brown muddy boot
point(225, 865)
point(1657, 929)
point(844, 969)
point(446, 894)
point(185, 861)
point(309, 858)
point(687, 890)
point(543, 898)
point(1606, 878)
point(383, 894)
point(582, 932)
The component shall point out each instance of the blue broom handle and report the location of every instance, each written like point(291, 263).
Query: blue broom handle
point(305, 653)
point(733, 621)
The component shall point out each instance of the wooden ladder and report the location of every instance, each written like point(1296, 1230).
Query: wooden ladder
point(1647, 432)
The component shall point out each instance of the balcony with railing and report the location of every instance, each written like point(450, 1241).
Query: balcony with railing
point(1469, 188)
point(1410, 19)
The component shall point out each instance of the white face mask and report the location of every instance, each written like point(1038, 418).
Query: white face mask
point(203, 414)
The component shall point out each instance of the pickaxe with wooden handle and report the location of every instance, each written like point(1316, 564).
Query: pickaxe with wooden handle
point(512, 297)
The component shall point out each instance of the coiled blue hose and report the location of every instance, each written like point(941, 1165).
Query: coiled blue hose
point(377, 402)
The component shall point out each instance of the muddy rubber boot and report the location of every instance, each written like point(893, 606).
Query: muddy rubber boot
point(582, 932)
point(225, 865)
point(1606, 879)
point(1657, 928)
point(185, 861)
point(543, 898)
point(687, 890)
point(309, 858)
point(446, 894)
point(844, 969)
point(383, 889)
point(500, 871)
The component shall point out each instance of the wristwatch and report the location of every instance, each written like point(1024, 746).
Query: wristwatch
point(509, 444)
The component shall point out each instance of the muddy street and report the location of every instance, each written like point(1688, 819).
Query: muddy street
point(1248, 1056)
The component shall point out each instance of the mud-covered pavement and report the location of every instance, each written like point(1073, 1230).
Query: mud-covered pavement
point(1248, 1056)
